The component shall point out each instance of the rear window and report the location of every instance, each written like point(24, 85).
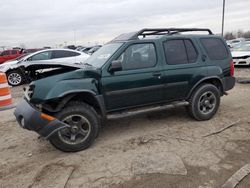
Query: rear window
point(215, 48)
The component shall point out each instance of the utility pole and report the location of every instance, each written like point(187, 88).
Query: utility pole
point(223, 17)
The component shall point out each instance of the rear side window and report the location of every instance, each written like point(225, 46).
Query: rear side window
point(64, 53)
point(215, 48)
point(180, 51)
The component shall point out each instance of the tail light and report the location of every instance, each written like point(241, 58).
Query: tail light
point(231, 68)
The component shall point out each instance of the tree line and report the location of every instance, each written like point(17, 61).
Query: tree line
point(238, 34)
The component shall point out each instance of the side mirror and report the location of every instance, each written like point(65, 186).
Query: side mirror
point(115, 66)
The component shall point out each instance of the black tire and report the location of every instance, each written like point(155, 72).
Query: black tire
point(80, 110)
point(15, 78)
point(204, 102)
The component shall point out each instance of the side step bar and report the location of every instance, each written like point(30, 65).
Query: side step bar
point(142, 110)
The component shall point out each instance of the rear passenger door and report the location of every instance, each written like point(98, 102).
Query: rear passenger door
point(183, 67)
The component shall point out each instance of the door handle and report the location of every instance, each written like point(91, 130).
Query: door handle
point(157, 74)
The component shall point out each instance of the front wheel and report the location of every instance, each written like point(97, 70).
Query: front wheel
point(84, 127)
point(15, 78)
point(204, 102)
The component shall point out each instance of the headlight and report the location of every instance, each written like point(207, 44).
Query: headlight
point(2, 67)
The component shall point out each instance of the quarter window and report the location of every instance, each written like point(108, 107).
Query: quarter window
point(41, 56)
point(63, 54)
point(215, 48)
point(138, 56)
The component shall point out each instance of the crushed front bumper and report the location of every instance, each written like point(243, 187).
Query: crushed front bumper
point(29, 117)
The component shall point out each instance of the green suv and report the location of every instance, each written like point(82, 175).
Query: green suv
point(137, 72)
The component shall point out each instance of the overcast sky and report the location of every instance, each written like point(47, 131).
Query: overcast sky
point(38, 23)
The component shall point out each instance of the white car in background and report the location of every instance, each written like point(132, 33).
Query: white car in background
point(241, 55)
point(19, 69)
point(235, 42)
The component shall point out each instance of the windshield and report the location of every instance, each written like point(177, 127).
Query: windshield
point(101, 56)
point(245, 47)
point(21, 57)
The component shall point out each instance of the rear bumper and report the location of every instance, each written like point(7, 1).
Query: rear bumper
point(30, 118)
point(228, 83)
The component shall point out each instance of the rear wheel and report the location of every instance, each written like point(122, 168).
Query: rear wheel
point(204, 102)
point(84, 127)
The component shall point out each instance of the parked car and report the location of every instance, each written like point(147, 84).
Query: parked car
point(18, 69)
point(32, 50)
point(235, 42)
point(131, 74)
point(241, 55)
point(9, 54)
point(93, 49)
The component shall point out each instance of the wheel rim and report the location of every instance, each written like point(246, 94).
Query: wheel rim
point(14, 78)
point(78, 131)
point(207, 102)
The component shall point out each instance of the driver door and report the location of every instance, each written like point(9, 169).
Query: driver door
point(139, 81)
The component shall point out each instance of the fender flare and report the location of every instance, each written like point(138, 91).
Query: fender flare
point(203, 80)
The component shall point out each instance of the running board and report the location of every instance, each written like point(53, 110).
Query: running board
point(142, 110)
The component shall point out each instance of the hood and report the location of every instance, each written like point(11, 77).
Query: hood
point(240, 53)
point(8, 65)
point(55, 86)
point(11, 62)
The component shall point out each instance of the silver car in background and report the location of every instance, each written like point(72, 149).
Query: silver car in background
point(41, 61)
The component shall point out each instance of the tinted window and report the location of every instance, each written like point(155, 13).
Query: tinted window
point(191, 51)
point(13, 52)
point(138, 56)
point(6, 53)
point(215, 48)
point(41, 56)
point(64, 53)
point(175, 52)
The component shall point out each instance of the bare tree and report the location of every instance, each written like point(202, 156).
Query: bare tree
point(229, 36)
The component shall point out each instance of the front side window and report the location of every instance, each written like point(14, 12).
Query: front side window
point(138, 56)
point(215, 48)
point(41, 56)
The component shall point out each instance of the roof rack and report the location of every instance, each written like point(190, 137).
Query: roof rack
point(159, 31)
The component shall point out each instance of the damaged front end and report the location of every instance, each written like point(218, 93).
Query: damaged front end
point(29, 117)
